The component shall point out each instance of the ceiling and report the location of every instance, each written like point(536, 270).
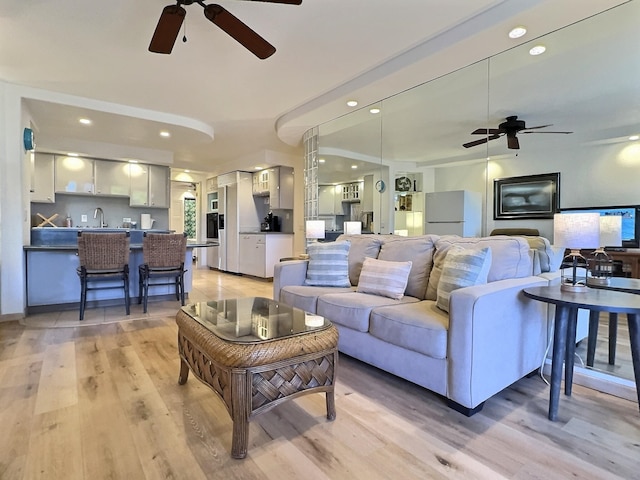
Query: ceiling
point(222, 105)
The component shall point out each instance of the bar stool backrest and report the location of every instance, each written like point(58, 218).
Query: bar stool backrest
point(103, 251)
point(164, 250)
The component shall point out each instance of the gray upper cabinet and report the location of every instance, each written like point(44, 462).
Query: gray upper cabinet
point(112, 178)
point(42, 179)
point(74, 175)
point(149, 186)
point(281, 188)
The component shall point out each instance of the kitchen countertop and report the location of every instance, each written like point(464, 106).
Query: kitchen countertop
point(132, 246)
point(267, 233)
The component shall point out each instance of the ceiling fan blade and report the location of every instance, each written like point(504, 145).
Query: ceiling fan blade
point(167, 29)
point(539, 126)
point(512, 142)
point(486, 131)
point(525, 131)
point(288, 2)
point(233, 26)
point(480, 142)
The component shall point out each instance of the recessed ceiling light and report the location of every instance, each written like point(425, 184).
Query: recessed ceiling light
point(132, 161)
point(374, 110)
point(165, 134)
point(352, 103)
point(537, 50)
point(72, 154)
point(85, 121)
point(321, 160)
point(634, 137)
point(187, 171)
point(517, 32)
point(354, 166)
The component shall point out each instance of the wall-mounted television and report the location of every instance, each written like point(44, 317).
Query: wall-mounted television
point(630, 221)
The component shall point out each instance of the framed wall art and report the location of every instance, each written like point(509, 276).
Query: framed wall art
point(531, 196)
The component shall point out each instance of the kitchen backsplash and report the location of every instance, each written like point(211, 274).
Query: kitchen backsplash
point(115, 209)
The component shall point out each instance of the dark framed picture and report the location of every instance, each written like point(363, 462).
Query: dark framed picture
point(531, 196)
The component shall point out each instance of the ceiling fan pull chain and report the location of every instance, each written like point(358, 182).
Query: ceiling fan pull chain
point(184, 32)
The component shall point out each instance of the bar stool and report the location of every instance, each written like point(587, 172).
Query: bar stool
point(104, 258)
point(163, 256)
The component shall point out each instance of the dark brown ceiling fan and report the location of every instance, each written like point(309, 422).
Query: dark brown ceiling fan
point(511, 127)
point(172, 17)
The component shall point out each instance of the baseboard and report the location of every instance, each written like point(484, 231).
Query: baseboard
point(601, 381)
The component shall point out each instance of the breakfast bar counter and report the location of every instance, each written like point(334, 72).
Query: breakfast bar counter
point(52, 259)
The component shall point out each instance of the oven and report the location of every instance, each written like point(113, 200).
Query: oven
point(212, 225)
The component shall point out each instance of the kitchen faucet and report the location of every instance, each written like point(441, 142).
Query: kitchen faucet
point(95, 215)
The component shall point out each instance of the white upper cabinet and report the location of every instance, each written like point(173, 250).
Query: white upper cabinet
point(149, 186)
point(42, 179)
point(112, 178)
point(74, 175)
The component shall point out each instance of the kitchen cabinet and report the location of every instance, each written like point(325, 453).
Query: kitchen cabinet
point(74, 175)
point(42, 180)
point(261, 251)
point(260, 183)
point(330, 200)
point(351, 192)
point(112, 178)
point(212, 185)
point(277, 183)
point(149, 186)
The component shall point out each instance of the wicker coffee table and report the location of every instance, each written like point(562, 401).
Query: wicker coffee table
point(256, 353)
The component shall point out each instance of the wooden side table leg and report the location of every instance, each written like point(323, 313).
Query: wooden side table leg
point(613, 337)
point(559, 348)
point(240, 404)
point(593, 337)
point(184, 372)
point(634, 338)
point(571, 350)
point(331, 406)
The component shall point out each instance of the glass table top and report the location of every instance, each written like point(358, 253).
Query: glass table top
point(253, 319)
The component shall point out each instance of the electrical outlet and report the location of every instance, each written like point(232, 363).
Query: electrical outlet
point(83, 218)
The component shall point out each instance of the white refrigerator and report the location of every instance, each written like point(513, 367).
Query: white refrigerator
point(457, 212)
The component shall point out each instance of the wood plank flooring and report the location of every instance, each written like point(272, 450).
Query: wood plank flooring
point(102, 401)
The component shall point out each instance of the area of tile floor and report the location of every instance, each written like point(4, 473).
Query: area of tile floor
point(207, 285)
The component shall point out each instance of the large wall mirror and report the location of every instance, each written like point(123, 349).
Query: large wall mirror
point(587, 82)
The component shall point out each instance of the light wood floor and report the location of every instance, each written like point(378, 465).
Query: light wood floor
point(102, 402)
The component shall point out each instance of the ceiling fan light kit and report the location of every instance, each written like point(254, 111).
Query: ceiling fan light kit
point(510, 128)
point(168, 27)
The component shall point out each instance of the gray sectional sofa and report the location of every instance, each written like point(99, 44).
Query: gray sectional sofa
point(490, 337)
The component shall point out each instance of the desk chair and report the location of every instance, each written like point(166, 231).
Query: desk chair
point(104, 259)
point(163, 256)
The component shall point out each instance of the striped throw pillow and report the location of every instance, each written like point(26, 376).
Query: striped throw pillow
point(328, 264)
point(384, 277)
point(462, 268)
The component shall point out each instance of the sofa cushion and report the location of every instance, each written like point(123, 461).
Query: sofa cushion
point(353, 309)
point(462, 267)
point(362, 246)
point(418, 326)
point(509, 258)
point(382, 277)
point(306, 297)
point(328, 264)
point(419, 250)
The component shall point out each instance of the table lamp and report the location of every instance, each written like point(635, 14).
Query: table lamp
point(575, 231)
point(314, 230)
point(353, 228)
point(600, 264)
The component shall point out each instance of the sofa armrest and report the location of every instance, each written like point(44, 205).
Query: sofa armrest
point(496, 336)
point(291, 272)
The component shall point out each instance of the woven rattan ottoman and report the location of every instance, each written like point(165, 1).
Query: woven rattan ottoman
point(255, 354)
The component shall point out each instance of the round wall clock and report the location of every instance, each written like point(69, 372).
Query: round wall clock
point(28, 140)
point(380, 186)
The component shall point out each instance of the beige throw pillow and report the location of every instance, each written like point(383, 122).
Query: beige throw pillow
point(462, 268)
point(385, 278)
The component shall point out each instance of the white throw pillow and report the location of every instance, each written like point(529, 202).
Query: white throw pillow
point(383, 277)
point(328, 264)
point(462, 268)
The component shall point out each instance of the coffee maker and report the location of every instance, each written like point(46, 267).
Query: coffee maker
point(270, 224)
